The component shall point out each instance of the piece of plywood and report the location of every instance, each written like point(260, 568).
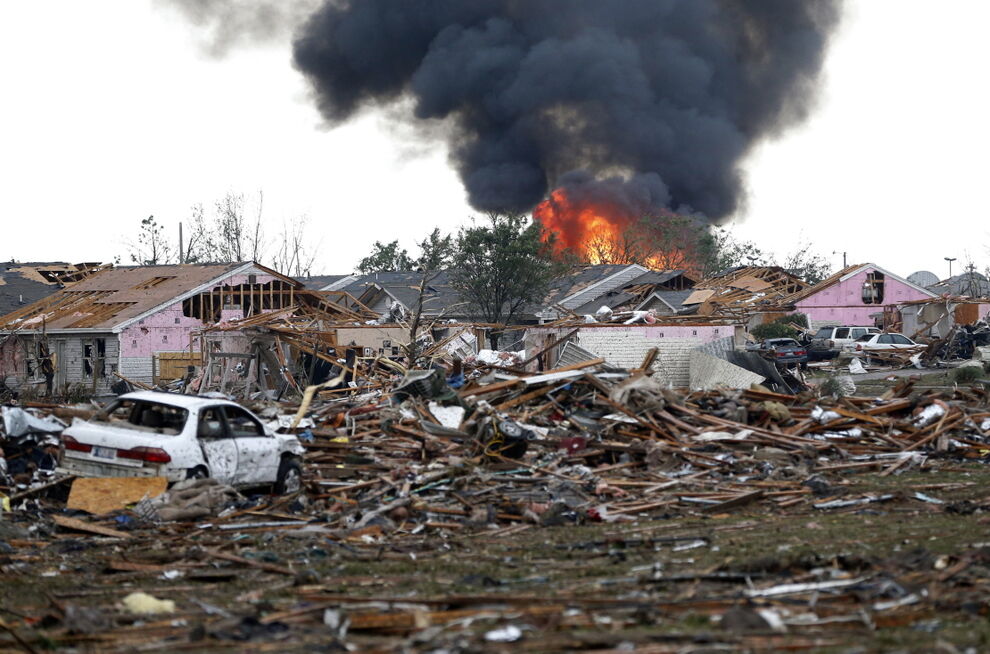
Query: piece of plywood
point(698, 296)
point(967, 313)
point(99, 495)
point(750, 283)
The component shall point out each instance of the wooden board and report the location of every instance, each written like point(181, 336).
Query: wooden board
point(66, 522)
point(698, 296)
point(99, 495)
point(750, 283)
point(967, 313)
point(173, 365)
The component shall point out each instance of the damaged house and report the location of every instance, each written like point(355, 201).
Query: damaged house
point(135, 322)
point(397, 294)
point(620, 287)
point(749, 295)
point(855, 295)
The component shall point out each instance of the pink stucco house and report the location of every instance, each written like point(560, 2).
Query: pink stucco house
point(138, 321)
point(852, 295)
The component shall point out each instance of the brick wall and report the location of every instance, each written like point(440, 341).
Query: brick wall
point(627, 351)
point(626, 346)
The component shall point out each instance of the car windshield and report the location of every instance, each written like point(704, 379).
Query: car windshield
point(865, 337)
point(824, 332)
point(783, 342)
point(152, 417)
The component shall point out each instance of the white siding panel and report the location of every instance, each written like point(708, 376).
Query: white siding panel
point(138, 368)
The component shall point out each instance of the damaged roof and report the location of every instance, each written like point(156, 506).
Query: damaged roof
point(320, 282)
point(744, 290)
point(967, 284)
point(569, 285)
point(24, 283)
point(637, 293)
point(116, 295)
point(843, 275)
point(403, 287)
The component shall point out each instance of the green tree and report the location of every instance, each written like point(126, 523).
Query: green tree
point(807, 264)
point(386, 257)
point(501, 266)
point(724, 251)
point(436, 251)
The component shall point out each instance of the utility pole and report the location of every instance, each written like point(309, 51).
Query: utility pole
point(950, 260)
point(182, 257)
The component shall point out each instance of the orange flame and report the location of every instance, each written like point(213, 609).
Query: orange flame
point(576, 227)
point(599, 232)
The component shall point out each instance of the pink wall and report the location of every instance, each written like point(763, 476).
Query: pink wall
point(168, 330)
point(842, 303)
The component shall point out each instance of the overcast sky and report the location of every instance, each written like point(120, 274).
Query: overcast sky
point(111, 111)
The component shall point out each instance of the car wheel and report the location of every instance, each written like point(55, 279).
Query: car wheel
point(199, 472)
point(289, 477)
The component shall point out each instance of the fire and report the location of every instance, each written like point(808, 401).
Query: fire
point(579, 227)
point(599, 231)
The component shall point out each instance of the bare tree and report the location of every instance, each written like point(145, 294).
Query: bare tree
point(628, 246)
point(257, 241)
point(226, 236)
point(197, 238)
point(152, 247)
point(664, 241)
point(292, 256)
point(229, 228)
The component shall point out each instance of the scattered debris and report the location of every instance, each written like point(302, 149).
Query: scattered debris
point(408, 475)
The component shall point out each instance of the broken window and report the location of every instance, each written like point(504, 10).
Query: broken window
point(144, 416)
point(88, 359)
point(94, 357)
point(241, 424)
point(873, 288)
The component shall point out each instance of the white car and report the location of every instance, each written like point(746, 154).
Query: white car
point(880, 343)
point(154, 434)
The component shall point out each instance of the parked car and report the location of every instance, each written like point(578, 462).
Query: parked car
point(784, 350)
point(829, 341)
point(150, 433)
point(880, 342)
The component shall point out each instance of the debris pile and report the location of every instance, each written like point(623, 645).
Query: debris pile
point(30, 448)
point(578, 508)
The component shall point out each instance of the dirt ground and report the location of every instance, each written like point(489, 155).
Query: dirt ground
point(908, 575)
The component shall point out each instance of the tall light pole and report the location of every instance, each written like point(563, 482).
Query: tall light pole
point(950, 260)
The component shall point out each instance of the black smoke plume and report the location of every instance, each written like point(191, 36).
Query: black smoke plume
point(675, 90)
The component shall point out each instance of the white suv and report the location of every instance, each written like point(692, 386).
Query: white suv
point(828, 341)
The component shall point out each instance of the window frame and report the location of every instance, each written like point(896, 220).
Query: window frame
point(228, 408)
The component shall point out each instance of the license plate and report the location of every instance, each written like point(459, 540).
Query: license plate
point(104, 452)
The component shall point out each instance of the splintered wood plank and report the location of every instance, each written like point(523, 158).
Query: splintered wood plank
point(81, 525)
point(99, 495)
